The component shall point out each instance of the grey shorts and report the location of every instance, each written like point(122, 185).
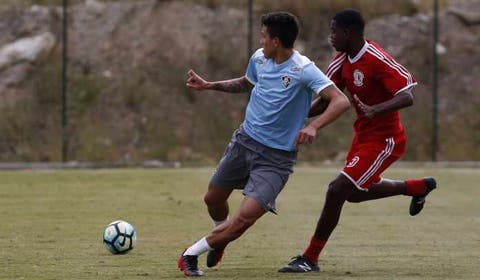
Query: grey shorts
point(260, 171)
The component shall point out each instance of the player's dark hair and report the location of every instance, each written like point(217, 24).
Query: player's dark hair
point(350, 19)
point(282, 25)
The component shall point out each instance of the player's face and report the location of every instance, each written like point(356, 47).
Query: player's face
point(338, 37)
point(268, 43)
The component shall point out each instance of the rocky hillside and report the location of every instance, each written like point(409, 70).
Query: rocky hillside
point(127, 95)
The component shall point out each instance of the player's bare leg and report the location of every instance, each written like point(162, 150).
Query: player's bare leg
point(382, 189)
point(217, 204)
point(216, 201)
point(249, 212)
point(417, 188)
point(338, 192)
point(342, 189)
point(215, 256)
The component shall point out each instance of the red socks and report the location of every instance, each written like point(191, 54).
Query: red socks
point(314, 249)
point(415, 187)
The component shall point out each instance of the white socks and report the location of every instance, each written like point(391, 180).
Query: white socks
point(201, 246)
point(198, 248)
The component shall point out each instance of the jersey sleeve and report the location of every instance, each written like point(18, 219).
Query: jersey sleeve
point(315, 79)
point(251, 73)
point(393, 76)
point(334, 70)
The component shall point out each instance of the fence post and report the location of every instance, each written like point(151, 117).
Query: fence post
point(435, 83)
point(64, 83)
point(250, 28)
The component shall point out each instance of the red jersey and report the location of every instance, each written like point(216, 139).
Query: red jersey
point(375, 77)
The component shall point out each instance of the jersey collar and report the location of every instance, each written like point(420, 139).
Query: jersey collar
point(359, 54)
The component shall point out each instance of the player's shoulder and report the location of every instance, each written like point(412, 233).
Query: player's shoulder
point(336, 63)
point(300, 61)
point(376, 52)
point(258, 57)
point(258, 53)
point(340, 56)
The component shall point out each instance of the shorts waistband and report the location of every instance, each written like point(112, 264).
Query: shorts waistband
point(249, 142)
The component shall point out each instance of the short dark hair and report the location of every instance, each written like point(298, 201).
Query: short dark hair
point(282, 25)
point(351, 19)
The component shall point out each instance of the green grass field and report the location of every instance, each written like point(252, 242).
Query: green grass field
point(52, 224)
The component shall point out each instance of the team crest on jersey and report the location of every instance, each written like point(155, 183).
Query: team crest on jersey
point(354, 161)
point(286, 80)
point(358, 77)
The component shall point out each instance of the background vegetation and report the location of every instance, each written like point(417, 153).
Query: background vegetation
point(127, 64)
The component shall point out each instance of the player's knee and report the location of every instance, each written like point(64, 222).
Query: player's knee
point(336, 191)
point(211, 199)
point(354, 199)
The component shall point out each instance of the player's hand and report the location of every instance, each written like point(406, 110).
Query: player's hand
point(306, 136)
point(196, 82)
point(368, 111)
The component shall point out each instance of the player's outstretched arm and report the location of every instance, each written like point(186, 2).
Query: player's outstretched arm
point(400, 100)
point(337, 104)
point(237, 85)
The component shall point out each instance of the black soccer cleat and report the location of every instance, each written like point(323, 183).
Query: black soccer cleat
point(300, 264)
point(214, 257)
point(417, 202)
point(189, 265)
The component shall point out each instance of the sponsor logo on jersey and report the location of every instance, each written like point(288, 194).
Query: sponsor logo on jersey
point(295, 69)
point(358, 77)
point(286, 81)
point(354, 161)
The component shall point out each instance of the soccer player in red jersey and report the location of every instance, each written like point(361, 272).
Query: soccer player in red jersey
point(379, 86)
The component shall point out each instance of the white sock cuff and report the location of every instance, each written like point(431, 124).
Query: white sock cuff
point(200, 247)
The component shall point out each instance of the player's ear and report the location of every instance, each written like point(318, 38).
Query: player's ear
point(276, 42)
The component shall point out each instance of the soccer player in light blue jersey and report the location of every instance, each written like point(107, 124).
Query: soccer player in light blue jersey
point(263, 150)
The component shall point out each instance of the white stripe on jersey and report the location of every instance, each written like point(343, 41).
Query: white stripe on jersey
point(391, 63)
point(335, 65)
point(337, 60)
point(396, 67)
point(405, 87)
point(378, 162)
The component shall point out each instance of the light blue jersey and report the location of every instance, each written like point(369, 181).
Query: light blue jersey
point(281, 98)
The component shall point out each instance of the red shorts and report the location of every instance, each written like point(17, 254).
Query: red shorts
point(367, 159)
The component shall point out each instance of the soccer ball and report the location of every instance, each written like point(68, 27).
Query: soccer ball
point(119, 237)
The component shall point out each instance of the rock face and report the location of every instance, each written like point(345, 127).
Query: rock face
point(127, 95)
point(26, 50)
